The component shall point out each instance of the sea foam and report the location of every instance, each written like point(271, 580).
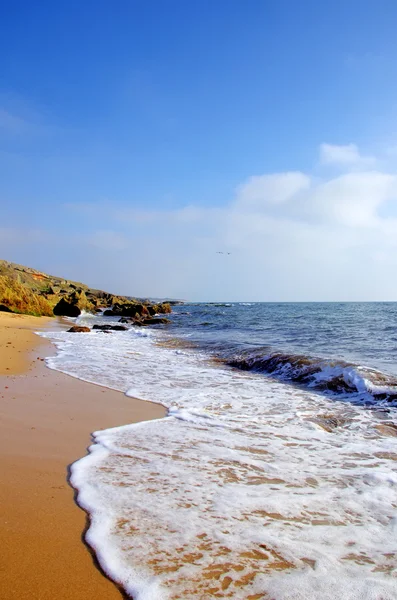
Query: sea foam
point(250, 488)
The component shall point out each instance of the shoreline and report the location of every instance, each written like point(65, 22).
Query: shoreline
point(46, 420)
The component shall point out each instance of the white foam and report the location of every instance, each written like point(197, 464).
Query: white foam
point(240, 490)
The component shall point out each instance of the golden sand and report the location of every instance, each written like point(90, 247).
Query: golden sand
point(45, 423)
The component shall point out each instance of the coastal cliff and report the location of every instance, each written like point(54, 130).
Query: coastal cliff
point(28, 291)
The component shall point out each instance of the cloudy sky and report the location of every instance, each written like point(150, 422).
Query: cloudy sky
point(138, 140)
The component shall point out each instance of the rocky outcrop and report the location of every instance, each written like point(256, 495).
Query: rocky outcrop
point(78, 329)
point(66, 309)
point(130, 309)
point(137, 310)
point(73, 304)
point(26, 290)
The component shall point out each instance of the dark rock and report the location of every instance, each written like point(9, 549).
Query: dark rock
point(110, 327)
point(4, 308)
point(161, 321)
point(78, 329)
point(124, 320)
point(109, 313)
point(66, 309)
point(131, 309)
point(137, 323)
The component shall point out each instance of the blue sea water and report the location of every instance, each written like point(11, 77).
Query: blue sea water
point(359, 332)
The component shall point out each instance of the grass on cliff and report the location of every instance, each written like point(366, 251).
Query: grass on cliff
point(21, 299)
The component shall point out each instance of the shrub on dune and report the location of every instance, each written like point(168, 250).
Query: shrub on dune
point(21, 299)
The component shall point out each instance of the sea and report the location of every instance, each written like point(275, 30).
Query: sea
point(273, 475)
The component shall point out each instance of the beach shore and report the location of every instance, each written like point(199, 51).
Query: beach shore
point(46, 419)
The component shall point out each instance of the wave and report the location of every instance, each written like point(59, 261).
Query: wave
point(333, 376)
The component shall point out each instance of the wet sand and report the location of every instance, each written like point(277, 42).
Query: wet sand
point(45, 422)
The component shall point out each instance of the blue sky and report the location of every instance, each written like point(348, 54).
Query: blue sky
point(138, 138)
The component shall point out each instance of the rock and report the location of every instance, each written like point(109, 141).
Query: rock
point(66, 309)
point(164, 308)
point(73, 304)
point(162, 321)
point(137, 323)
point(110, 327)
point(131, 309)
point(78, 329)
point(4, 308)
point(80, 299)
point(124, 320)
point(135, 310)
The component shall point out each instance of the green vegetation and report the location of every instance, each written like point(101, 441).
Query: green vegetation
point(21, 299)
point(26, 290)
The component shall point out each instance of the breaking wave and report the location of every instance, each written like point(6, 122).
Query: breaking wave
point(333, 376)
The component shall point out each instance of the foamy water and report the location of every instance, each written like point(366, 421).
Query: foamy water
point(251, 488)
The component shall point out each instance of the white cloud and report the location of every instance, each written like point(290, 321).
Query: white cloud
point(345, 156)
point(277, 188)
point(291, 236)
point(353, 199)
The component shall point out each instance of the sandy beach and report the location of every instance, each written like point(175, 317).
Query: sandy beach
point(46, 418)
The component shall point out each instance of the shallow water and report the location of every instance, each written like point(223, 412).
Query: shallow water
point(252, 487)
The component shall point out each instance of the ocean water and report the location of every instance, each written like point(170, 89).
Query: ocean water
point(274, 474)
